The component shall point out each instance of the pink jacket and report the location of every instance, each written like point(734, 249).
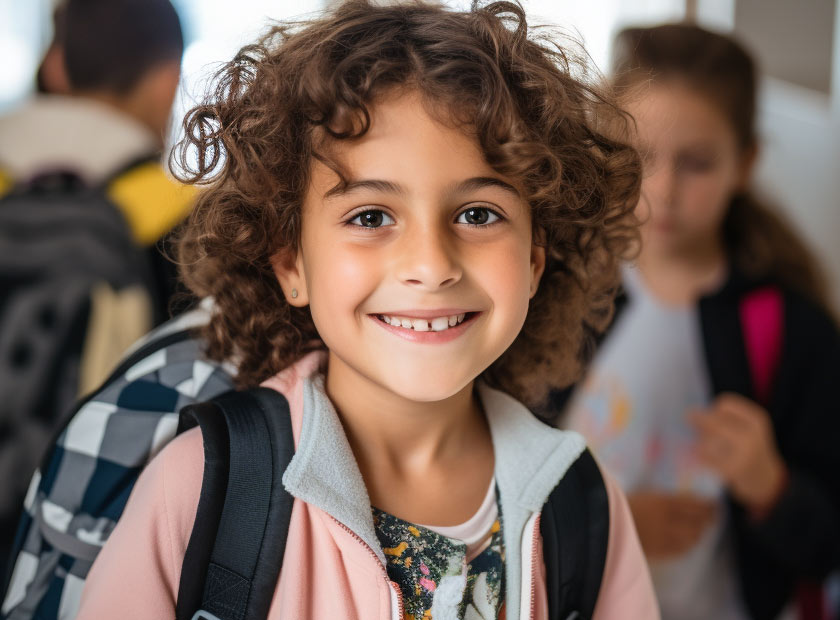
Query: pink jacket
point(337, 568)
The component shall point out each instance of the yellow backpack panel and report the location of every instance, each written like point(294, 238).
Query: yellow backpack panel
point(152, 202)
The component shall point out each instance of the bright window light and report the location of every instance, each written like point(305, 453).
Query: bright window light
point(215, 33)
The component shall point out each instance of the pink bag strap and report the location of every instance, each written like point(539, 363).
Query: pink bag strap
point(762, 323)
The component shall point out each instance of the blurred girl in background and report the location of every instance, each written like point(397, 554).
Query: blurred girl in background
point(713, 397)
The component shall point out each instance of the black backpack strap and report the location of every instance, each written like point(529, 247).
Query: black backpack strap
point(235, 551)
point(575, 527)
point(213, 487)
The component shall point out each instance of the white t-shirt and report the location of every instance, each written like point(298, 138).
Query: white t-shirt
point(632, 408)
point(476, 531)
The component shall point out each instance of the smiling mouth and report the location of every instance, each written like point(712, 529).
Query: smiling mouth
point(438, 324)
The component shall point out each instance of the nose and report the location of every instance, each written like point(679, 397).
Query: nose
point(428, 260)
point(661, 186)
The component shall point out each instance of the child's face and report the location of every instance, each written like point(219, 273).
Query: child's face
point(693, 165)
point(427, 234)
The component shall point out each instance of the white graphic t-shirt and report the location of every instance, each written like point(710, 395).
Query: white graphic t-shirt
point(632, 408)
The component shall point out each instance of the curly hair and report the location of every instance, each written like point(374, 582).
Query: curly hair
point(528, 102)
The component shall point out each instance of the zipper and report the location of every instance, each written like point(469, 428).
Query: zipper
point(529, 559)
point(534, 542)
point(393, 588)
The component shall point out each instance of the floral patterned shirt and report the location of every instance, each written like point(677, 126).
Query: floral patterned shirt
point(434, 576)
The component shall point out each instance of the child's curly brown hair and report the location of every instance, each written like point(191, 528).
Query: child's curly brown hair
point(522, 96)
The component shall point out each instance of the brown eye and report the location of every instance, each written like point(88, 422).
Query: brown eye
point(477, 216)
point(372, 219)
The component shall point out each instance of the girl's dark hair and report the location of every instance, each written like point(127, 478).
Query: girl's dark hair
point(282, 101)
point(758, 240)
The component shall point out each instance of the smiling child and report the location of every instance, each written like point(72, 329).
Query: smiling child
point(411, 223)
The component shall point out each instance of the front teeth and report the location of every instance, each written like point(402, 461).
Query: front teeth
point(438, 324)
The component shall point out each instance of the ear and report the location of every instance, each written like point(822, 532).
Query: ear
point(150, 100)
point(537, 267)
point(749, 158)
point(287, 265)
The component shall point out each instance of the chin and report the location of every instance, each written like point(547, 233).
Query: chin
point(668, 241)
point(436, 387)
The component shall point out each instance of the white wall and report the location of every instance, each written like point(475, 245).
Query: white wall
point(595, 22)
point(25, 32)
point(800, 163)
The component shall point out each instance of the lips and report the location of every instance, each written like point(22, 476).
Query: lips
point(664, 224)
point(435, 327)
point(434, 324)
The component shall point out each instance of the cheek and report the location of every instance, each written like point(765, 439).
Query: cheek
point(707, 200)
point(643, 207)
point(506, 276)
point(339, 277)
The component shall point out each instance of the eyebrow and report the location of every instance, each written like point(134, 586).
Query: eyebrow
point(477, 183)
point(388, 187)
point(376, 185)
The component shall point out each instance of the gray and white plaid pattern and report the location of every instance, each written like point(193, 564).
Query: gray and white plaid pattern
point(73, 504)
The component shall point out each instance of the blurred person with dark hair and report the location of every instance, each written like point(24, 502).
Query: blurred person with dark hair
point(121, 60)
point(127, 55)
point(85, 209)
point(713, 398)
point(124, 55)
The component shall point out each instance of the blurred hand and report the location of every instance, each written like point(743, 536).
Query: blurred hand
point(736, 441)
point(670, 524)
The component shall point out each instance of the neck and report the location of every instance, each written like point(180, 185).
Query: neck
point(129, 106)
point(682, 275)
point(386, 430)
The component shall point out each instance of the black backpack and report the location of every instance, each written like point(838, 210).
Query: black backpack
point(235, 551)
point(59, 238)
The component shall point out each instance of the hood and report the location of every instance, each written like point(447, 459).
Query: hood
point(71, 133)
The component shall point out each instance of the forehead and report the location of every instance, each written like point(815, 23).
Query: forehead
point(409, 145)
point(672, 113)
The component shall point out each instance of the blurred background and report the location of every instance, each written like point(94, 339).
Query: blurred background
point(797, 45)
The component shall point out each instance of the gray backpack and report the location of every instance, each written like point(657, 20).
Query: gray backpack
point(58, 240)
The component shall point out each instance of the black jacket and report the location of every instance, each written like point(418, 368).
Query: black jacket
point(800, 538)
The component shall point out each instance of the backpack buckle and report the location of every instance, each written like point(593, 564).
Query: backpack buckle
point(201, 614)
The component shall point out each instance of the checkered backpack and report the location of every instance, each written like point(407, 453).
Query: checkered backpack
point(81, 489)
